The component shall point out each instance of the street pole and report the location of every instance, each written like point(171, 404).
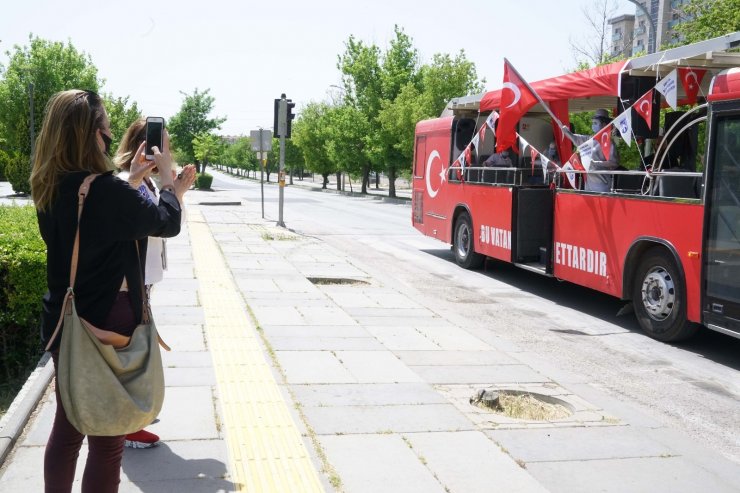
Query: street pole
point(281, 173)
point(262, 176)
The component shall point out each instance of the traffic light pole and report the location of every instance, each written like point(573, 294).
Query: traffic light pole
point(262, 176)
point(283, 116)
point(281, 178)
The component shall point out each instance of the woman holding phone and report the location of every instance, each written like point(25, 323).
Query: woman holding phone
point(73, 143)
point(156, 248)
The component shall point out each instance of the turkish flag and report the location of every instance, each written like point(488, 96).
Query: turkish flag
point(467, 155)
point(690, 80)
point(533, 153)
point(644, 107)
point(516, 100)
point(604, 138)
point(482, 134)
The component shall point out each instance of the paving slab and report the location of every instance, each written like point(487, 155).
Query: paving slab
point(643, 475)
point(403, 338)
point(386, 419)
point(313, 367)
point(376, 367)
point(479, 374)
point(314, 331)
point(450, 337)
point(325, 343)
point(188, 413)
point(329, 314)
point(442, 357)
point(378, 394)
point(179, 315)
point(184, 337)
point(375, 463)
point(469, 462)
point(578, 443)
point(189, 376)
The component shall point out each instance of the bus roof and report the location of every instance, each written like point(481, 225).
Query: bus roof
point(599, 86)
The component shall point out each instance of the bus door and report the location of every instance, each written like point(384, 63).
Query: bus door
point(721, 296)
point(532, 224)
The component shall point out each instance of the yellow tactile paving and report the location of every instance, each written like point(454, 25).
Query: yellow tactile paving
point(265, 447)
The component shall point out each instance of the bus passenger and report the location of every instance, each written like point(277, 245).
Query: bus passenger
point(597, 183)
point(502, 159)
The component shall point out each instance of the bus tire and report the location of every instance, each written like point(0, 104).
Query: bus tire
point(659, 298)
point(464, 245)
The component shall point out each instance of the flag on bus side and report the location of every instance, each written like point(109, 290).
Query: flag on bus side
point(604, 138)
point(644, 107)
point(624, 125)
point(690, 80)
point(668, 87)
point(516, 100)
point(491, 121)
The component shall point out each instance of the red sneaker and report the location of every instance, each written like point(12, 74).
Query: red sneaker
point(141, 439)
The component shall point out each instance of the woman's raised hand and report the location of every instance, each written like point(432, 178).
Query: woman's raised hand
point(184, 181)
point(140, 167)
point(163, 161)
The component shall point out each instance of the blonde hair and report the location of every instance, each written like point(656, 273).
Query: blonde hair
point(67, 143)
point(132, 139)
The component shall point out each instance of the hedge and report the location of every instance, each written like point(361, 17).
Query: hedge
point(22, 285)
point(203, 181)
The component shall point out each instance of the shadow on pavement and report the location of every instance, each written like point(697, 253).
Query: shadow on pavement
point(160, 470)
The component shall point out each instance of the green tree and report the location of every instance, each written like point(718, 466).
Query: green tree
point(706, 19)
point(193, 119)
point(121, 115)
point(207, 148)
point(310, 135)
point(346, 131)
point(240, 155)
point(51, 67)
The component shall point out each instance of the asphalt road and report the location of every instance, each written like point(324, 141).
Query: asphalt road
point(693, 387)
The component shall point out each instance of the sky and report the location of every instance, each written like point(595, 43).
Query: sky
point(248, 53)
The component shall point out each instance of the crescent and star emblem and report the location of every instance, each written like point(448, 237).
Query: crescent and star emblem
point(646, 111)
point(431, 191)
point(517, 93)
point(604, 138)
point(688, 82)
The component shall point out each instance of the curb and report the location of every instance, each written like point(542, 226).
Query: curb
point(19, 412)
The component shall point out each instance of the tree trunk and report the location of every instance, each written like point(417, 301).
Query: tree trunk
point(339, 181)
point(197, 166)
point(392, 181)
point(377, 180)
point(365, 178)
point(291, 176)
point(325, 176)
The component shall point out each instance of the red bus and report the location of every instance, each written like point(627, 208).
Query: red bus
point(666, 237)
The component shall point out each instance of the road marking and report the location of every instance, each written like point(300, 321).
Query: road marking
point(265, 447)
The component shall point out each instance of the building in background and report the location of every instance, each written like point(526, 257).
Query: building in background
point(622, 34)
point(665, 15)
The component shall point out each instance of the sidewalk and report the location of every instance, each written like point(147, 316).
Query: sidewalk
point(284, 379)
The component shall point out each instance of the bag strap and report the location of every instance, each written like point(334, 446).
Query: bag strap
point(81, 195)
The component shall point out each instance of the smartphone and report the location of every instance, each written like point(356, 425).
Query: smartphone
point(154, 135)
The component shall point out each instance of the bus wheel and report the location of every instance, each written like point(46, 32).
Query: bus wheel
point(659, 298)
point(465, 254)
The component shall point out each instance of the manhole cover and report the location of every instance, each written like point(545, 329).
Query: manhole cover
point(522, 405)
point(336, 280)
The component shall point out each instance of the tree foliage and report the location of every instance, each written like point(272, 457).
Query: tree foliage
point(51, 67)
point(192, 120)
point(121, 115)
point(706, 19)
point(207, 148)
point(311, 136)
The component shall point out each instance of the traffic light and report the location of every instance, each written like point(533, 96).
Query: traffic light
point(276, 121)
point(289, 116)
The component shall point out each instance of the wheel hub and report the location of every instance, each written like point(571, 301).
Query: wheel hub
point(658, 293)
point(463, 241)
